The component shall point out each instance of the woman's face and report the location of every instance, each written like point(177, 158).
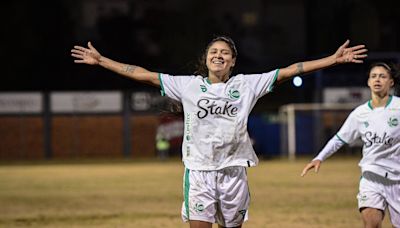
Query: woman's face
point(219, 59)
point(379, 80)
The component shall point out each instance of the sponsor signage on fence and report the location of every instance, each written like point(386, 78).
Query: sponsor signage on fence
point(147, 101)
point(346, 95)
point(86, 102)
point(29, 102)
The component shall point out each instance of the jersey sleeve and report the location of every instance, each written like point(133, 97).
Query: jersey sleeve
point(173, 86)
point(348, 133)
point(263, 83)
point(330, 148)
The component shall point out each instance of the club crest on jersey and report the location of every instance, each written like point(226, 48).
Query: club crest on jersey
point(199, 207)
point(234, 94)
point(363, 197)
point(203, 88)
point(393, 122)
point(243, 213)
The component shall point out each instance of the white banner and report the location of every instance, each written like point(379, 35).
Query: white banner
point(141, 101)
point(346, 95)
point(86, 102)
point(24, 102)
point(147, 101)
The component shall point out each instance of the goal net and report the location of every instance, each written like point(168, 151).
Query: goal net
point(306, 128)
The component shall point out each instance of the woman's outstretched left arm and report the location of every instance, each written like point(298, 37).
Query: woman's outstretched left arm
point(344, 54)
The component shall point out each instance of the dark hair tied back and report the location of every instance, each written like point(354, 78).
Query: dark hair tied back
point(201, 66)
point(394, 72)
point(396, 79)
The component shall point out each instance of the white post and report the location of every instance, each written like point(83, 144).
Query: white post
point(291, 132)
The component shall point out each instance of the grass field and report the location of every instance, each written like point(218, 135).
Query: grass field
point(149, 194)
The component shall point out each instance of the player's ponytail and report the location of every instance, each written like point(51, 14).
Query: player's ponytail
point(396, 78)
point(174, 107)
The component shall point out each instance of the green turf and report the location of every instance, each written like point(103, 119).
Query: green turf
point(149, 194)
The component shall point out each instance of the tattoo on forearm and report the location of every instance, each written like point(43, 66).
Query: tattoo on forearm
point(300, 69)
point(129, 68)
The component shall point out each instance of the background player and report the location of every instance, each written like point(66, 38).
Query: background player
point(376, 122)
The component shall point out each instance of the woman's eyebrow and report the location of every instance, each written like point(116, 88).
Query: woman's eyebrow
point(222, 49)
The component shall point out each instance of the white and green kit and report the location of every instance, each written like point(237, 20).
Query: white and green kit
point(216, 147)
point(379, 129)
point(215, 117)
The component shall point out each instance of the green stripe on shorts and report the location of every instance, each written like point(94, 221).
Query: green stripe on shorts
point(186, 192)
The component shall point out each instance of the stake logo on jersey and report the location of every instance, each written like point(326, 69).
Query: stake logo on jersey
point(393, 122)
point(208, 107)
point(373, 138)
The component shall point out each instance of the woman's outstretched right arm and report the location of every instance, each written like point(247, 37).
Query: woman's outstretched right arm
point(91, 56)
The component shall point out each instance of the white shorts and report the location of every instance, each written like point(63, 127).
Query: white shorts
point(379, 192)
point(220, 196)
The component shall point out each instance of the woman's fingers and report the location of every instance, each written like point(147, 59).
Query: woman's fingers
point(77, 52)
point(358, 47)
point(308, 167)
point(90, 45)
point(79, 61)
point(80, 48)
point(345, 44)
point(76, 56)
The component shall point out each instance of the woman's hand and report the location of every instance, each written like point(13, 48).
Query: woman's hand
point(314, 164)
point(354, 54)
point(86, 55)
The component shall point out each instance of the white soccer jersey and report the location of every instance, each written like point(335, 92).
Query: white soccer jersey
point(379, 129)
point(215, 117)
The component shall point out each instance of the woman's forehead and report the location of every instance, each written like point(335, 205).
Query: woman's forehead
point(220, 45)
point(379, 69)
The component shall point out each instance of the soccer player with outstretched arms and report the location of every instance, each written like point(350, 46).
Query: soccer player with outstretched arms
point(216, 149)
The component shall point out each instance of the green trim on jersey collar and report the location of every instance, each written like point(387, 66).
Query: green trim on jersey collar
point(389, 100)
point(162, 91)
point(208, 81)
point(387, 103)
point(370, 105)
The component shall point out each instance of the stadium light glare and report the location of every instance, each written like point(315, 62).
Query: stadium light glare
point(297, 81)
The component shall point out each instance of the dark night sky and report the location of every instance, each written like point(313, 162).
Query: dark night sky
point(169, 35)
